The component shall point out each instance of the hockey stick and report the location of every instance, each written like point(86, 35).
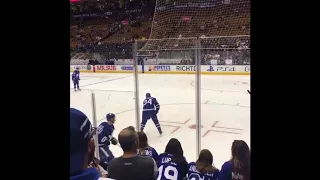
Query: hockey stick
point(249, 91)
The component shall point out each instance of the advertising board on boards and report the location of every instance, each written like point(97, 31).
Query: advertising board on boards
point(247, 69)
point(106, 68)
point(159, 68)
point(221, 68)
point(127, 68)
point(185, 68)
point(81, 67)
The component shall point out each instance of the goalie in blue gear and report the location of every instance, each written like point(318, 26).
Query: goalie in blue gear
point(151, 108)
point(105, 131)
point(76, 78)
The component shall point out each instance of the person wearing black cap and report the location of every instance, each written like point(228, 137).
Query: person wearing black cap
point(131, 166)
point(82, 147)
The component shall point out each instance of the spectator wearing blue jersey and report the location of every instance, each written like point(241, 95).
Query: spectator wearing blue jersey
point(203, 168)
point(144, 148)
point(172, 164)
point(238, 168)
point(82, 147)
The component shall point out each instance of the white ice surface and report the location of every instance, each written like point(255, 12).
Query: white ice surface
point(225, 103)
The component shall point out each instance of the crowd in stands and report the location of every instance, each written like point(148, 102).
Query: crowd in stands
point(140, 161)
point(109, 30)
point(102, 32)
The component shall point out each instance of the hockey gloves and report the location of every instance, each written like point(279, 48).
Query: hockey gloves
point(114, 141)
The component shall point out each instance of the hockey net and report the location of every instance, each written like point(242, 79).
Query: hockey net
point(174, 51)
point(177, 24)
point(200, 18)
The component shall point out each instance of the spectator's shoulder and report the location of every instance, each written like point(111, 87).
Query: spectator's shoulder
point(113, 161)
point(226, 165)
point(145, 158)
point(163, 154)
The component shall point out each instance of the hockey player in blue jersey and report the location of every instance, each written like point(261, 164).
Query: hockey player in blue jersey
point(105, 131)
point(151, 108)
point(76, 78)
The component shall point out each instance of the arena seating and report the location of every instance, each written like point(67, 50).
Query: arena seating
point(118, 45)
point(95, 39)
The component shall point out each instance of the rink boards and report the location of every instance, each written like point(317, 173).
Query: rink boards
point(166, 69)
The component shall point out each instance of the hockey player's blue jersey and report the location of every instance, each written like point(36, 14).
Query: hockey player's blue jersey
point(75, 75)
point(105, 132)
point(151, 104)
point(193, 173)
point(149, 151)
point(169, 169)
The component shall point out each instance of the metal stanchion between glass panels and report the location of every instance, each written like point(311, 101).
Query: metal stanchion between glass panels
point(136, 84)
point(198, 97)
point(95, 122)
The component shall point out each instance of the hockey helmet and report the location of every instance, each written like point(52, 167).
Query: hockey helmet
point(110, 116)
point(148, 95)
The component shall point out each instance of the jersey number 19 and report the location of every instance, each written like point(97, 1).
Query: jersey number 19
point(164, 171)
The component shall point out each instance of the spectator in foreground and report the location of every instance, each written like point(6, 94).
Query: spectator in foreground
point(203, 168)
point(172, 160)
point(239, 165)
point(81, 147)
point(144, 148)
point(131, 166)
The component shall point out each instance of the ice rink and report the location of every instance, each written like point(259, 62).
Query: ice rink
point(225, 108)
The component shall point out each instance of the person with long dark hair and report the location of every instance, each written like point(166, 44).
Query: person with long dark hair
point(238, 168)
point(203, 168)
point(144, 148)
point(172, 164)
